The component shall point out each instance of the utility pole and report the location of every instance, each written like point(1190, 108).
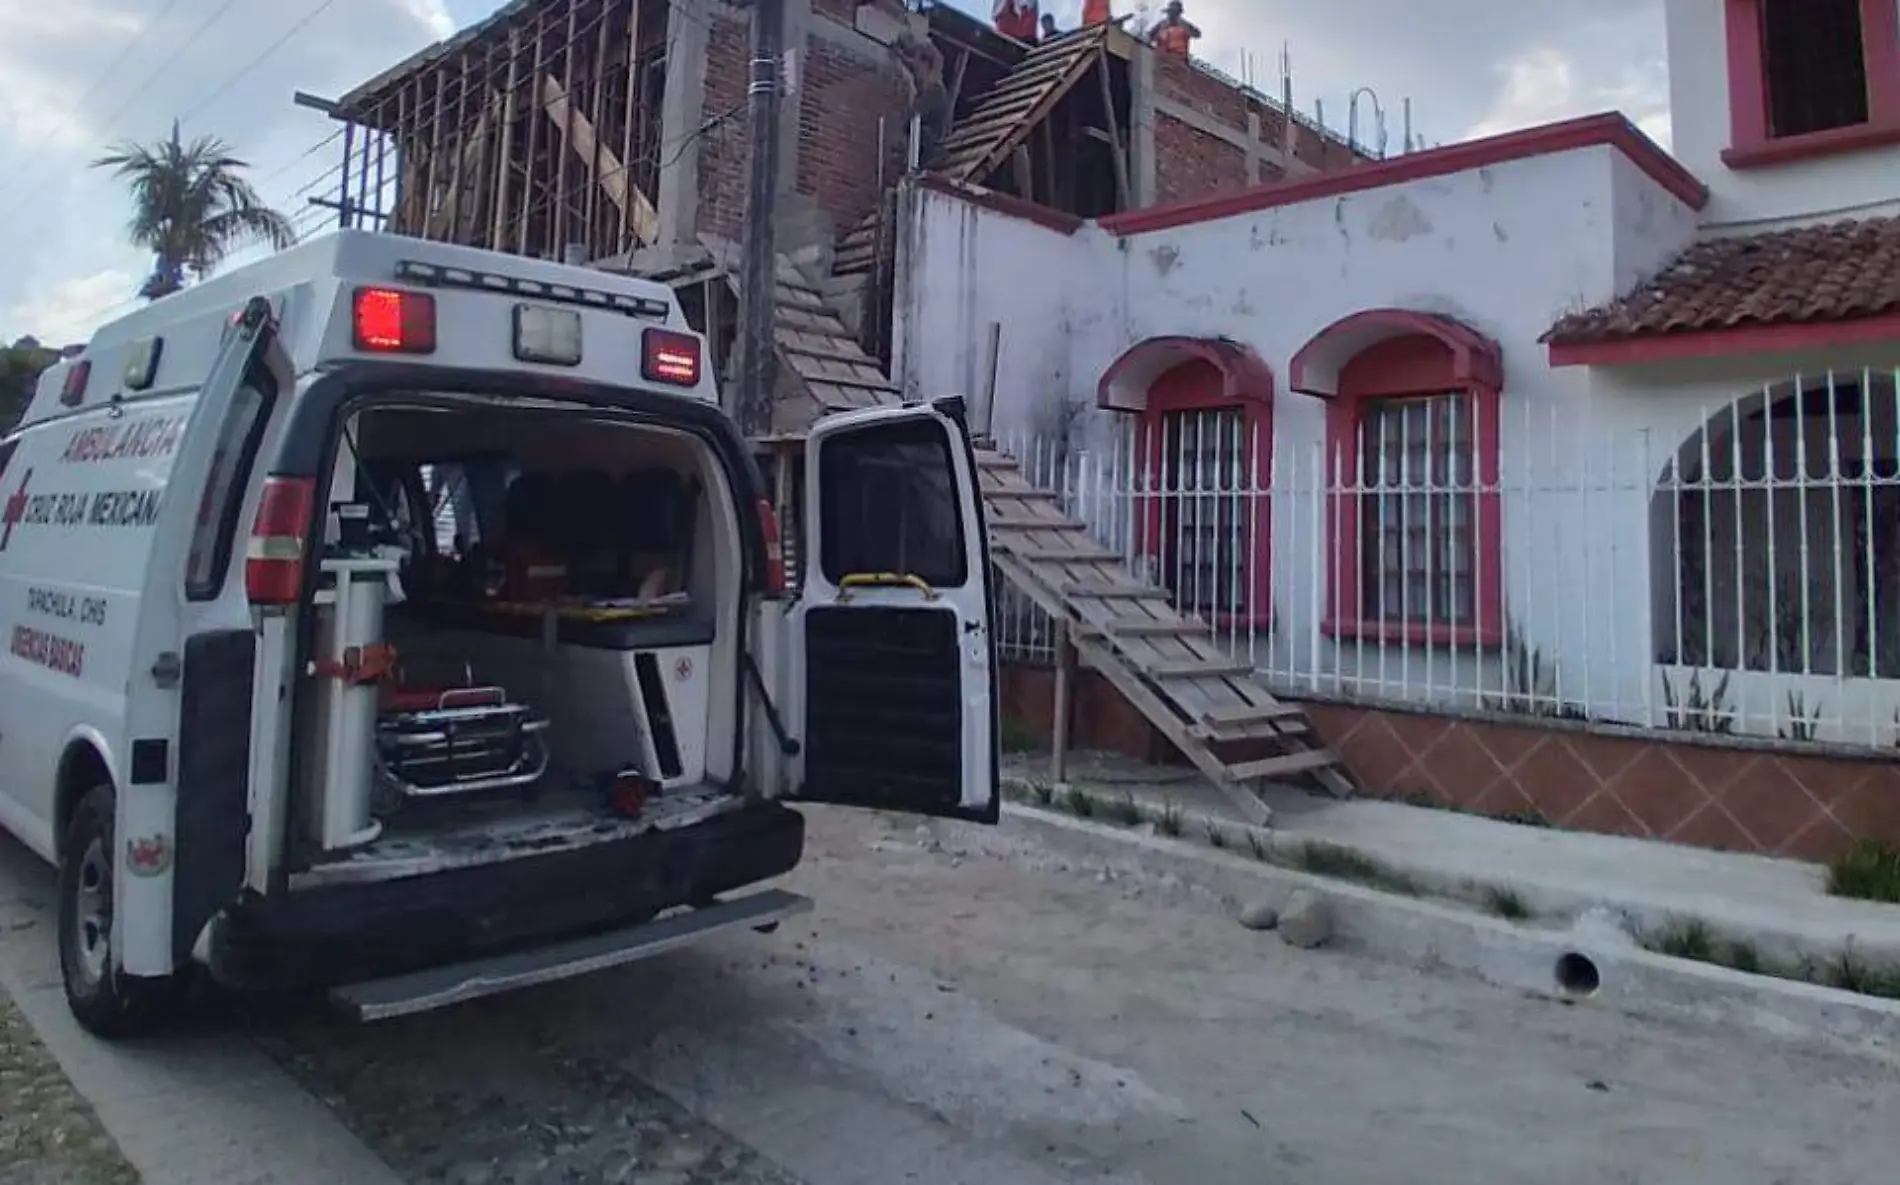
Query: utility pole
point(758, 285)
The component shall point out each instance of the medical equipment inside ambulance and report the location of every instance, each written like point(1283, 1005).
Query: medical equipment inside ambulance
point(415, 709)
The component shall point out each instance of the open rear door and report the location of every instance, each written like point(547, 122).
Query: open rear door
point(893, 675)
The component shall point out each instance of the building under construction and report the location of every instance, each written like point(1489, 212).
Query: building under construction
point(593, 128)
point(530, 132)
point(607, 132)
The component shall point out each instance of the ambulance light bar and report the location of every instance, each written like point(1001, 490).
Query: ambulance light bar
point(436, 276)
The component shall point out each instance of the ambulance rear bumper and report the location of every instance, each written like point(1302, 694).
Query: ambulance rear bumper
point(338, 934)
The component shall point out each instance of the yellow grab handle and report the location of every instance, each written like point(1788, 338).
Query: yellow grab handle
point(884, 580)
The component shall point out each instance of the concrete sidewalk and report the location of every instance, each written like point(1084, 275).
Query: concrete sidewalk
point(191, 1110)
point(1779, 906)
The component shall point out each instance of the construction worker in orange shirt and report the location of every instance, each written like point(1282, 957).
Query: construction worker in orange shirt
point(1018, 18)
point(1095, 12)
point(1173, 35)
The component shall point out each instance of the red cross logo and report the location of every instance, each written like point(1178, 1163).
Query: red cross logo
point(15, 511)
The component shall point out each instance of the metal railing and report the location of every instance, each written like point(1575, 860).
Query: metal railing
point(1726, 569)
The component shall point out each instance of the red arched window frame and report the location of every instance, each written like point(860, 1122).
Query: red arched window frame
point(1752, 142)
point(1165, 378)
point(1360, 366)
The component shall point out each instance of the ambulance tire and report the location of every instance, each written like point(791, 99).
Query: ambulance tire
point(105, 1002)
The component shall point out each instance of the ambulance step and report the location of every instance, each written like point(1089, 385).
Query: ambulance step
point(423, 991)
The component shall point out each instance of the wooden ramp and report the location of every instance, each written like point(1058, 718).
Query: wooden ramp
point(985, 139)
point(1171, 668)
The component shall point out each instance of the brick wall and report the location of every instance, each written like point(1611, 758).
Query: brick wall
point(844, 96)
point(1191, 164)
point(722, 148)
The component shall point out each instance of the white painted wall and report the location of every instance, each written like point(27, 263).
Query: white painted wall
point(961, 267)
point(1505, 249)
point(1862, 182)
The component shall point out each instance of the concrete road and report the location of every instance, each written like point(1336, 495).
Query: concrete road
point(969, 1006)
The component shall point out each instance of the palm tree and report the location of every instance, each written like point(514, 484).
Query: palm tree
point(191, 207)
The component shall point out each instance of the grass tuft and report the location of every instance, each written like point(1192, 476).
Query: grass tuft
point(1506, 903)
point(1123, 809)
point(1324, 859)
point(1869, 871)
point(1168, 818)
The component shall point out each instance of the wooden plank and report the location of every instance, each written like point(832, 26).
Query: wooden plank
point(1241, 717)
point(979, 147)
point(1039, 555)
point(1148, 627)
point(1027, 493)
point(1198, 670)
point(1124, 187)
point(1282, 731)
point(1114, 592)
point(1290, 763)
point(1004, 522)
point(620, 188)
point(1110, 667)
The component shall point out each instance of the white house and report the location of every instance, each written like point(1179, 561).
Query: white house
point(1551, 422)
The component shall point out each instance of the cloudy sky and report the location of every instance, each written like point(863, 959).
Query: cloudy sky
point(83, 74)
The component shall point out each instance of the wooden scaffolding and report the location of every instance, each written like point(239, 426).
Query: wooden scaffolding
point(536, 131)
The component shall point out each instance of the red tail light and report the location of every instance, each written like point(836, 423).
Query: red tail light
point(775, 581)
point(273, 566)
point(669, 357)
point(392, 321)
point(73, 391)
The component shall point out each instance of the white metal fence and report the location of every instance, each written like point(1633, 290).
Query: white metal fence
point(1730, 569)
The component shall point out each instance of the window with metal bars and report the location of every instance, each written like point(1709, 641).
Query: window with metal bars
point(1206, 471)
point(1813, 57)
point(1418, 511)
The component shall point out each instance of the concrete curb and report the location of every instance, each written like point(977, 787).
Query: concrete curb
point(195, 1108)
point(1517, 957)
point(1781, 944)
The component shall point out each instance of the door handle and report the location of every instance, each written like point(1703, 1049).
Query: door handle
point(857, 580)
point(167, 669)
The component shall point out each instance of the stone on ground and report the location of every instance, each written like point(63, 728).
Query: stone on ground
point(1259, 915)
point(1307, 921)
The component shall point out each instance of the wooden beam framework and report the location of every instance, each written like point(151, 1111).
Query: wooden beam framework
point(536, 131)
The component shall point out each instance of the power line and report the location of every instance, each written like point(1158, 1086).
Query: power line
point(137, 94)
point(92, 88)
point(259, 60)
point(301, 157)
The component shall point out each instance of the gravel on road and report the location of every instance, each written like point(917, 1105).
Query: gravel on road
point(970, 1005)
point(48, 1134)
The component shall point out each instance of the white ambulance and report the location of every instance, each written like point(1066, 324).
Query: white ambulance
point(408, 620)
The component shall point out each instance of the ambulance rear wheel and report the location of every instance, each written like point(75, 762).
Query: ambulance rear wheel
point(106, 1002)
